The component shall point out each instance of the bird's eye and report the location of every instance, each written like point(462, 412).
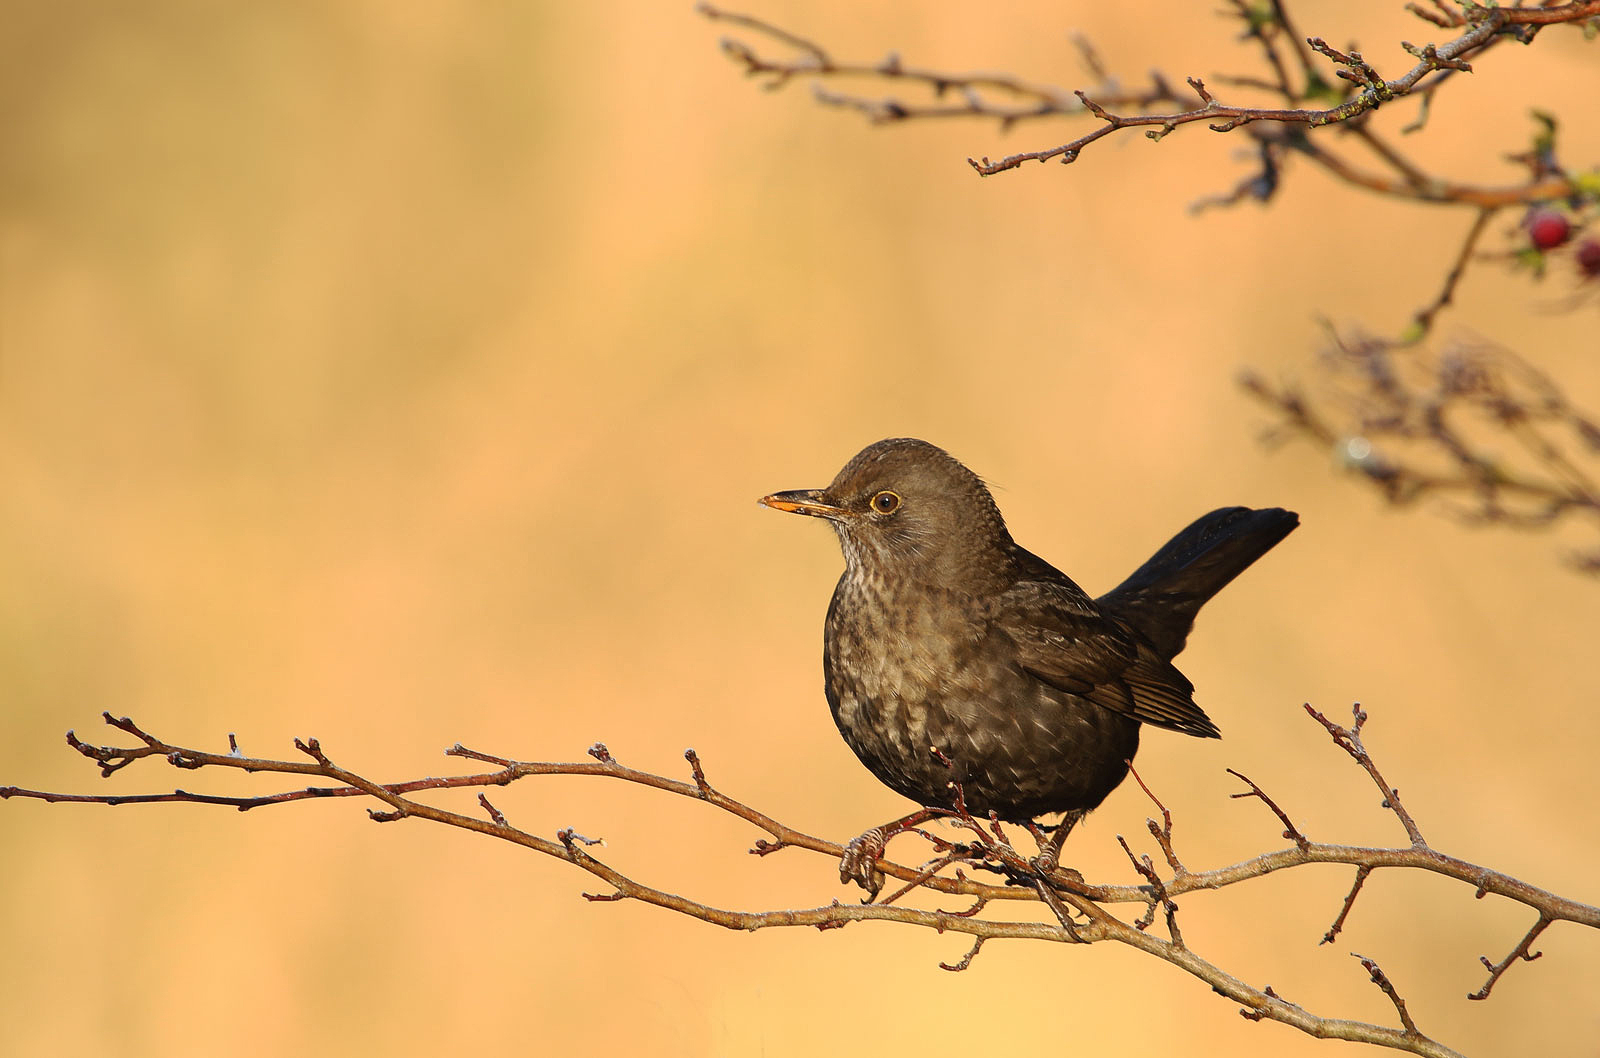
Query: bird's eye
point(885, 502)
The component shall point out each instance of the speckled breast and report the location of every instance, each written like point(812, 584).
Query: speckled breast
point(904, 681)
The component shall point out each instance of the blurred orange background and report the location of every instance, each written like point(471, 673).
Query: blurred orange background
point(407, 374)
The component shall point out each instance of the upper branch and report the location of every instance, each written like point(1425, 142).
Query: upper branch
point(974, 89)
point(1305, 86)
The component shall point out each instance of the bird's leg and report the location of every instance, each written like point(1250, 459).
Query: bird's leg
point(859, 863)
point(1049, 857)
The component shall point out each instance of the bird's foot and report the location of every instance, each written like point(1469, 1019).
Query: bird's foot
point(1045, 867)
point(859, 863)
point(1048, 861)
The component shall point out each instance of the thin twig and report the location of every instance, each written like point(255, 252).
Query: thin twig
point(1522, 951)
point(1381, 979)
point(1290, 831)
point(1349, 901)
point(1422, 322)
point(1349, 740)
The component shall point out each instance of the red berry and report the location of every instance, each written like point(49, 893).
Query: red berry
point(1547, 229)
point(1588, 257)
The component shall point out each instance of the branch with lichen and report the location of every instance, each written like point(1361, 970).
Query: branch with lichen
point(1076, 912)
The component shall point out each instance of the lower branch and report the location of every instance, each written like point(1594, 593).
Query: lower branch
point(1077, 912)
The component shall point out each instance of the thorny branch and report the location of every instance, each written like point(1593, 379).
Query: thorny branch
point(1078, 912)
point(1475, 427)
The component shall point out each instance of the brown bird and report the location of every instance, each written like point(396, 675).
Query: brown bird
point(953, 655)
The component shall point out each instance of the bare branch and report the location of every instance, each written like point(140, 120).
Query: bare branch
point(1436, 189)
point(1474, 425)
point(1519, 16)
point(1422, 322)
point(1163, 832)
point(1381, 979)
point(1481, 28)
point(698, 772)
point(1077, 911)
point(1290, 831)
point(1349, 740)
point(966, 960)
point(1020, 100)
point(1521, 951)
point(1349, 901)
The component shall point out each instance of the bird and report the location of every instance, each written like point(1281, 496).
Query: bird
point(958, 665)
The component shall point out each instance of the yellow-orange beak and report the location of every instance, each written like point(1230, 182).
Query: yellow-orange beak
point(802, 501)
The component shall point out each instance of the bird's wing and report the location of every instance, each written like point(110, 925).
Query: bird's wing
point(1064, 640)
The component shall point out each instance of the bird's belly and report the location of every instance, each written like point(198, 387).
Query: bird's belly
point(922, 721)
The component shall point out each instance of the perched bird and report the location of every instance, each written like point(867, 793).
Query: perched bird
point(952, 655)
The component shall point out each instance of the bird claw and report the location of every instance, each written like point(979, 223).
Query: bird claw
point(859, 863)
point(1049, 869)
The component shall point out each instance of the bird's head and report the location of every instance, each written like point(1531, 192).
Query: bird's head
point(904, 503)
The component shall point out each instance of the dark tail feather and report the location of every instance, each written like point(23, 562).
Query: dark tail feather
point(1162, 596)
